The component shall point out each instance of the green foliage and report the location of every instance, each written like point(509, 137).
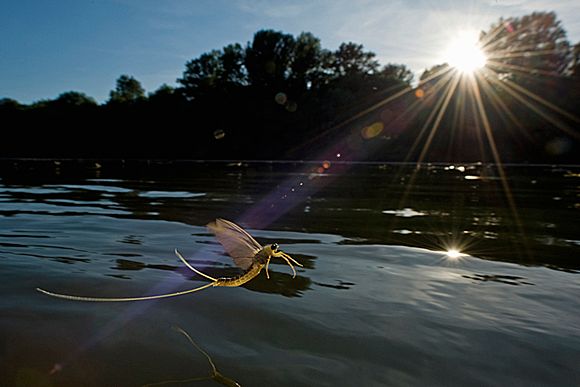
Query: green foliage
point(433, 72)
point(268, 59)
point(163, 91)
point(276, 61)
point(127, 91)
point(215, 70)
point(350, 59)
point(307, 71)
point(574, 67)
point(396, 72)
point(7, 104)
point(74, 99)
point(288, 91)
point(533, 44)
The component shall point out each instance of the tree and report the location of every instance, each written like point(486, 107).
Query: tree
point(533, 44)
point(268, 59)
point(288, 90)
point(574, 68)
point(166, 100)
point(351, 59)
point(396, 72)
point(215, 70)
point(434, 76)
point(74, 99)
point(162, 91)
point(234, 71)
point(9, 104)
point(307, 64)
point(201, 74)
point(127, 91)
point(163, 96)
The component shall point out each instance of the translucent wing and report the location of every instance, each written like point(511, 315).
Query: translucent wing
point(236, 241)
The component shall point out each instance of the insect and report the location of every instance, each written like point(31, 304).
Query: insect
point(245, 251)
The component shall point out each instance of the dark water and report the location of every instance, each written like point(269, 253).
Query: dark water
point(377, 302)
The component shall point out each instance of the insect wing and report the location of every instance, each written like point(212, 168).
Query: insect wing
point(236, 241)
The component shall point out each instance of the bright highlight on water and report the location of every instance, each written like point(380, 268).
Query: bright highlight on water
point(454, 254)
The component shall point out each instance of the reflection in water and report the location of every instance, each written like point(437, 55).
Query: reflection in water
point(408, 306)
point(454, 253)
point(441, 202)
point(55, 258)
point(173, 194)
point(504, 279)
point(245, 251)
point(342, 285)
point(132, 239)
point(278, 283)
point(214, 375)
point(125, 264)
point(405, 213)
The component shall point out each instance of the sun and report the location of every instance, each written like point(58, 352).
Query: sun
point(464, 53)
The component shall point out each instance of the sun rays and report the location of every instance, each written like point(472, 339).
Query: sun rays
point(479, 93)
point(464, 53)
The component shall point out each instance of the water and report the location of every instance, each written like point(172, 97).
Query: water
point(377, 302)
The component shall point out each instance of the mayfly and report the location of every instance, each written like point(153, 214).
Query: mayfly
point(245, 251)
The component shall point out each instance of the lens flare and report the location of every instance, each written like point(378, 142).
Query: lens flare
point(372, 131)
point(281, 98)
point(465, 54)
point(219, 134)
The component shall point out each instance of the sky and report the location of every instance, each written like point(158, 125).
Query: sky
point(50, 47)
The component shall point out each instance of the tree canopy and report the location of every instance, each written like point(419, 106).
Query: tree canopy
point(285, 96)
point(74, 98)
point(128, 90)
point(532, 44)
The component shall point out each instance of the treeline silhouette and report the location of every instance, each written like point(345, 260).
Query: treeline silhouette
point(285, 97)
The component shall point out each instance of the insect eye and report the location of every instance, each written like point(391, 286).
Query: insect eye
point(274, 246)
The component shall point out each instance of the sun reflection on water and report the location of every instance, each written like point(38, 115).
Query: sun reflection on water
point(454, 254)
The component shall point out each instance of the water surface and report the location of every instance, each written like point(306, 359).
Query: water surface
point(377, 302)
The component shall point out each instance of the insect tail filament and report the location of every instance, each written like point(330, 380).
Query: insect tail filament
point(193, 268)
point(123, 299)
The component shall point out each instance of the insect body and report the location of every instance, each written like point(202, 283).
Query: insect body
point(245, 251)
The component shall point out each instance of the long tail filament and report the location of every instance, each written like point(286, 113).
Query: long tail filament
point(144, 298)
point(123, 299)
point(193, 268)
point(279, 254)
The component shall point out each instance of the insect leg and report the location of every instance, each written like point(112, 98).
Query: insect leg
point(287, 258)
point(292, 259)
point(289, 264)
point(267, 264)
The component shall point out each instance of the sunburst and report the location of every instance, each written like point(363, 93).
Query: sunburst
point(464, 53)
point(479, 80)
